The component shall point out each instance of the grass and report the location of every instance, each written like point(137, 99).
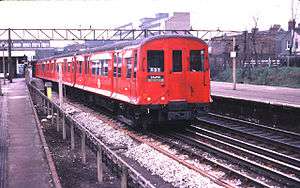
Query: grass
point(273, 76)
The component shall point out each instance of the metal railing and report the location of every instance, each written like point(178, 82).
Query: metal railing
point(48, 107)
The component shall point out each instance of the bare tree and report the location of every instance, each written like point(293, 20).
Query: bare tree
point(253, 38)
point(245, 53)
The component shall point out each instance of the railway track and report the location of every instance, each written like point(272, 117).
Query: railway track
point(252, 164)
point(229, 174)
point(285, 144)
point(155, 144)
point(277, 168)
point(232, 160)
point(113, 121)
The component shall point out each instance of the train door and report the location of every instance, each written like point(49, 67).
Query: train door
point(79, 72)
point(176, 78)
point(134, 75)
point(195, 73)
point(85, 70)
point(128, 75)
point(117, 65)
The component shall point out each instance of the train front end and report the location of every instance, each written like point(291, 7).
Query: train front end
point(175, 78)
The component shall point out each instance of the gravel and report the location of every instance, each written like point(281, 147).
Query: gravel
point(158, 164)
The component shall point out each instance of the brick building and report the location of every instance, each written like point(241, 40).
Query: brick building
point(253, 48)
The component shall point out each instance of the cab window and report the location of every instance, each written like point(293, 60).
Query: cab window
point(196, 60)
point(155, 59)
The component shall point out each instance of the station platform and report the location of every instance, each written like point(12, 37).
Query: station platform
point(281, 96)
point(23, 162)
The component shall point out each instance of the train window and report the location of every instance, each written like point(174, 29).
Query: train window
point(155, 59)
point(43, 67)
point(57, 67)
point(98, 68)
point(177, 60)
point(135, 64)
point(80, 67)
point(196, 60)
point(65, 67)
point(115, 65)
point(86, 67)
point(72, 67)
point(101, 67)
point(94, 68)
point(105, 67)
point(119, 66)
point(69, 67)
point(128, 67)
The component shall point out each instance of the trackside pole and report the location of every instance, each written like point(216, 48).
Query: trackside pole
point(60, 88)
point(45, 105)
point(233, 55)
point(52, 114)
point(83, 147)
point(57, 120)
point(64, 126)
point(124, 178)
point(72, 136)
point(99, 165)
point(48, 107)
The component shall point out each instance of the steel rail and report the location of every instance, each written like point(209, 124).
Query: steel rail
point(264, 127)
point(165, 152)
point(273, 174)
point(288, 162)
point(247, 178)
point(264, 139)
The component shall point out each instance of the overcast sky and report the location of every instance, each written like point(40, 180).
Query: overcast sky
point(205, 14)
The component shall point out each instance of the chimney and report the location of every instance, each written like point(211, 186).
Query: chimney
point(291, 25)
point(254, 30)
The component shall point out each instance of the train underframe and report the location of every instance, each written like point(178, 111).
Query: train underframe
point(142, 116)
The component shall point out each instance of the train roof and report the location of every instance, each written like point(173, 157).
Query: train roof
point(122, 45)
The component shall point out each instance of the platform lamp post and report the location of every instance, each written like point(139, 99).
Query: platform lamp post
point(1, 93)
point(233, 56)
point(3, 63)
point(9, 60)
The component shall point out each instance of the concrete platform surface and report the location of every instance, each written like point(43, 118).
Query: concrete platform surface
point(25, 161)
point(266, 94)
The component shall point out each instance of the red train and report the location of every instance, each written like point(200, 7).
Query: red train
point(157, 79)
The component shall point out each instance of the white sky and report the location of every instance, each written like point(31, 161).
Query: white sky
point(205, 14)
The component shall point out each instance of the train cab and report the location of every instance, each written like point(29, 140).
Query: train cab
point(175, 76)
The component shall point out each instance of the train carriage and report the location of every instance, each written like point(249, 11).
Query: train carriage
point(157, 79)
